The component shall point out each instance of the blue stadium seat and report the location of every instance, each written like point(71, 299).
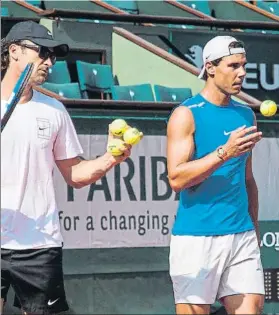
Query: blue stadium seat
point(59, 73)
point(128, 6)
point(67, 90)
point(96, 21)
point(169, 94)
point(181, 26)
point(140, 92)
point(232, 10)
point(261, 31)
point(201, 6)
point(4, 11)
point(272, 7)
point(94, 77)
point(36, 3)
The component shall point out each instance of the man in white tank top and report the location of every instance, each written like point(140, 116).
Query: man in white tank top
point(38, 135)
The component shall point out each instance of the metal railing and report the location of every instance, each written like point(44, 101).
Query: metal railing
point(144, 18)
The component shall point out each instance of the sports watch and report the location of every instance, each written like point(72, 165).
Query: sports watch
point(222, 153)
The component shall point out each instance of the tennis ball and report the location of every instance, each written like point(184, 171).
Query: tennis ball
point(116, 147)
point(132, 136)
point(118, 127)
point(268, 108)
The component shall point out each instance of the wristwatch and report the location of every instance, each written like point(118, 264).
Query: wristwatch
point(222, 153)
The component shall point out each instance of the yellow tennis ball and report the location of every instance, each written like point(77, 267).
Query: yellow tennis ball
point(132, 136)
point(268, 108)
point(116, 147)
point(118, 127)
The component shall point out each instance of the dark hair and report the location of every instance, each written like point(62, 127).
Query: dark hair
point(5, 56)
point(236, 44)
point(215, 63)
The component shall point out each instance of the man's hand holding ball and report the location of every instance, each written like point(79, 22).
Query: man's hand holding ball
point(121, 139)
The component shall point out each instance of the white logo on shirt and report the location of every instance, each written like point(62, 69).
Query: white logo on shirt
point(52, 302)
point(197, 105)
point(226, 133)
point(44, 130)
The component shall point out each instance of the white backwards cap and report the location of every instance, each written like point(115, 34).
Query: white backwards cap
point(218, 47)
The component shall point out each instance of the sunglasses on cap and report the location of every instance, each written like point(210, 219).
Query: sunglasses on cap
point(44, 52)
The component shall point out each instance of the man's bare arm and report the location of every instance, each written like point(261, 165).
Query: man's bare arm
point(78, 172)
point(184, 173)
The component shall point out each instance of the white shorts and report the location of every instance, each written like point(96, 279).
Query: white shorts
point(206, 268)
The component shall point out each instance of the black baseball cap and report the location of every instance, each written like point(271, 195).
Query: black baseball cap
point(38, 34)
